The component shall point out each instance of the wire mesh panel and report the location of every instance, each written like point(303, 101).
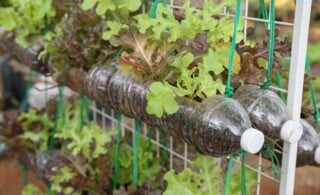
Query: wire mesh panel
point(180, 155)
point(258, 27)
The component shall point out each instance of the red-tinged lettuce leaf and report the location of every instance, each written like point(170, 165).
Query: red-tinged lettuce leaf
point(252, 70)
point(143, 54)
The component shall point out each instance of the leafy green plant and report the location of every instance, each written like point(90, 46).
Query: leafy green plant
point(204, 181)
point(117, 13)
point(81, 150)
point(149, 165)
point(161, 99)
point(198, 68)
point(90, 141)
point(31, 189)
point(64, 175)
point(77, 27)
point(26, 18)
point(205, 177)
point(235, 182)
point(36, 128)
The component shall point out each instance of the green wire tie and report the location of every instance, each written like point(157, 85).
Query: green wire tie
point(117, 153)
point(241, 154)
point(313, 93)
point(25, 102)
point(279, 84)
point(84, 111)
point(275, 164)
point(164, 142)
point(267, 83)
point(136, 140)
point(24, 168)
point(229, 93)
point(229, 89)
point(153, 6)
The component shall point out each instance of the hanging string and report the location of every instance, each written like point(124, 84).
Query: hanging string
point(163, 140)
point(243, 174)
point(118, 138)
point(51, 138)
point(24, 168)
point(136, 140)
point(229, 93)
point(46, 25)
point(48, 184)
point(153, 10)
point(52, 133)
point(153, 6)
point(262, 12)
point(229, 89)
point(117, 56)
point(59, 119)
point(313, 93)
point(117, 153)
point(275, 164)
point(25, 102)
point(267, 83)
point(60, 106)
point(72, 4)
point(149, 149)
point(23, 107)
point(229, 171)
point(279, 84)
point(84, 111)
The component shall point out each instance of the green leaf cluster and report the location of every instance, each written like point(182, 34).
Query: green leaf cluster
point(161, 98)
point(86, 141)
point(166, 27)
point(198, 69)
point(89, 141)
point(205, 181)
point(205, 178)
point(103, 6)
point(198, 81)
point(235, 182)
point(116, 13)
point(149, 164)
point(31, 189)
point(36, 128)
point(80, 141)
point(26, 18)
point(64, 175)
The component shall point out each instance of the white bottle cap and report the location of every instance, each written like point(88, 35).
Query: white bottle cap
point(291, 131)
point(317, 155)
point(252, 140)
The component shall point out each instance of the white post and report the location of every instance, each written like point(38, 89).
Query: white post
point(297, 67)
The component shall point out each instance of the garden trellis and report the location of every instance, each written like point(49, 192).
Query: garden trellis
point(116, 95)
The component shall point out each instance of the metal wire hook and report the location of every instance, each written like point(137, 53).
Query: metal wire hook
point(46, 89)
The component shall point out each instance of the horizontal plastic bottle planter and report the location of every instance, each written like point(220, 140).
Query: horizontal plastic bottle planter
point(314, 124)
point(308, 146)
point(28, 56)
point(266, 110)
point(216, 127)
point(308, 152)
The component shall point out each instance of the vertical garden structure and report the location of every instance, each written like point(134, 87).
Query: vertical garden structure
point(290, 132)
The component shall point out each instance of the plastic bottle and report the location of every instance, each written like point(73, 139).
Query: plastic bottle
point(266, 110)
